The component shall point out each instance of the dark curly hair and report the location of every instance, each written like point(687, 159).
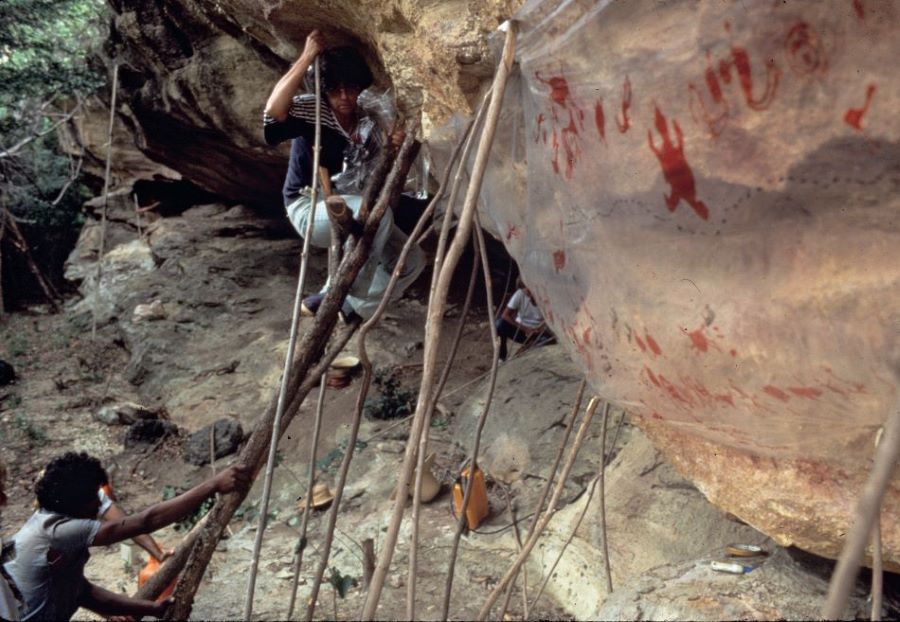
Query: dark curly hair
point(69, 482)
point(344, 66)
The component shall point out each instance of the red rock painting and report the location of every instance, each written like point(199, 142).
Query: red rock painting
point(622, 121)
point(562, 133)
point(804, 50)
point(853, 117)
point(675, 167)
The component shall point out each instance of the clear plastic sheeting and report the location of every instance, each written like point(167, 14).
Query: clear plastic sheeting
point(703, 197)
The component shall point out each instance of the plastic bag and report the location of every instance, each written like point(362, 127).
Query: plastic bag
point(703, 199)
point(378, 118)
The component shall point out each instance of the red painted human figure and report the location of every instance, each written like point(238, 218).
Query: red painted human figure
point(675, 167)
point(567, 136)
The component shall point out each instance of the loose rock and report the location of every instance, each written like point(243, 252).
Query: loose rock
point(149, 312)
point(228, 435)
point(148, 432)
point(124, 413)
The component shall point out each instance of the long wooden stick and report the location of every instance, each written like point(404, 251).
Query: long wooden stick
point(877, 572)
point(21, 244)
point(599, 478)
point(207, 534)
point(289, 356)
point(867, 511)
point(412, 572)
point(512, 584)
point(102, 250)
point(602, 477)
point(476, 442)
point(404, 161)
point(551, 475)
point(548, 514)
point(307, 507)
point(433, 323)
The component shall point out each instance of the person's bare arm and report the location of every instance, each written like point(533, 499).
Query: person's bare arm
point(108, 603)
point(165, 513)
point(279, 102)
point(509, 315)
point(325, 180)
point(115, 513)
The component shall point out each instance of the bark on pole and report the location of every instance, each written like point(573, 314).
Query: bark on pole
point(434, 317)
point(292, 340)
point(306, 370)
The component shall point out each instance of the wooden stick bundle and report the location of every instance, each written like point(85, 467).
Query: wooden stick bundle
point(434, 322)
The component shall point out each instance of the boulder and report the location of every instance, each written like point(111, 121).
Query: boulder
point(148, 432)
point(227, 438)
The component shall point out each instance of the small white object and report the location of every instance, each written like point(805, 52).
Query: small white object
point(127, 553)
point(730, 567)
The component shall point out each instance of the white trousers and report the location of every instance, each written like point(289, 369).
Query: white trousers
point(371, 282)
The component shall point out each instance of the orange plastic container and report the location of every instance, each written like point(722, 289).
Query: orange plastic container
point(477, 510)
point(148, 571)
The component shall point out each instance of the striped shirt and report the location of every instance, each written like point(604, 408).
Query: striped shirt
point(342, 151)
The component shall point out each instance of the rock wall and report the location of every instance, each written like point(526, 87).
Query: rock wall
point(195, 74)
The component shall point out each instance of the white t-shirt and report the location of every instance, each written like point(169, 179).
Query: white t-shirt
point(527, 313)
point(9, 606)
point(48, 569)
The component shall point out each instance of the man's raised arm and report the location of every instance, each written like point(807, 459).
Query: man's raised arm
point(279, 102)
point(165, 513)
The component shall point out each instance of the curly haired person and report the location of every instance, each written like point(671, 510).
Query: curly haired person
point(52, 548)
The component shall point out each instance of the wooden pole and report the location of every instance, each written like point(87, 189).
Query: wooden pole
point(412, 574)
point(305, 374)
point(599, 478)
point(405, 158)
point(307, 508)
point(102, 249)
point(295, 321)
point(551, 474)
point(476, 442)
point(877, 572)
point(434, 320)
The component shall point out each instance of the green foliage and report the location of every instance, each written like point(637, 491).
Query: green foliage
point(187, 523)
point(44, 48)
point(341, 582)
point(45, 69)
point(36, 436)
point(393, 401)
point(334, 457)
point(17, 345)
